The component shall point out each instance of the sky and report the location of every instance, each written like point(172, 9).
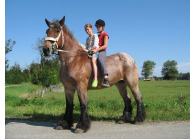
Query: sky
point(156, 30)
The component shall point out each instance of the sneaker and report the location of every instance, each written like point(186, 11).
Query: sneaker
point(95, 83)
point(105, 83)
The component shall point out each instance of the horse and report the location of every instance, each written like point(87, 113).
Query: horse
point(76, 74)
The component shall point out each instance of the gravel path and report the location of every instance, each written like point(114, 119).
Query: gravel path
point(16, 129)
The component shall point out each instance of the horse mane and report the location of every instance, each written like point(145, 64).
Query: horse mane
point(56, 24)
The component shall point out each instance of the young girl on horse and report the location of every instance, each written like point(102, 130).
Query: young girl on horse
point(103, 43)
point(91, 44)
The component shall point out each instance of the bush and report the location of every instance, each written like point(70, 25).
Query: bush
point(14, 75)
point(48, 76)
point(184, 76)
point(26, 75)
point(34, 69)
point(45, 74)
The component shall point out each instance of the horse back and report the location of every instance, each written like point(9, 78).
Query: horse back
point(117, 66)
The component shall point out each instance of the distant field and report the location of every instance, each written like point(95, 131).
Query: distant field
point(163, 100)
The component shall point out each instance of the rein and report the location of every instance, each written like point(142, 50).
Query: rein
point(59, 50)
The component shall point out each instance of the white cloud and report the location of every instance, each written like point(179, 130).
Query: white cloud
point(157, 71)
point(183, 67)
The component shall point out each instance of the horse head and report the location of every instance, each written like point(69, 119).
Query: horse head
point(55, 37)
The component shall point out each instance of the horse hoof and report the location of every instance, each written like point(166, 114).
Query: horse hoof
point(140, 118)
point(120, 122)
point(78, 131)
point(62, 125)
point(125, 118)
point(59, 128)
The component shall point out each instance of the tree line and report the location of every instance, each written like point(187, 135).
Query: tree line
point(169, 71)
point(46, 72)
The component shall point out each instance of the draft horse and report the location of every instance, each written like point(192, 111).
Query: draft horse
point(76, 75)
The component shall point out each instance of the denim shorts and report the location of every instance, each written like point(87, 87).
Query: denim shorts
point(95, 55)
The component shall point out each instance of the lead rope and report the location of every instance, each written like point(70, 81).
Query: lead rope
point(59, 50)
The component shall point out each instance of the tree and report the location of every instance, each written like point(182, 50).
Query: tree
point(39, 49)
point(8, 48)
point(184, 76)
point(48, 76)
point(34, 71)
point(47, 72)
point(26, 75)
point(169, 70)
point(14, 75)
point(148, 67)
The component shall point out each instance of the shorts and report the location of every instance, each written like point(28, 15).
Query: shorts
point(95, 55)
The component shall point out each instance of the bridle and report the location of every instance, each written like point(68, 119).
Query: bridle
point(55, 40)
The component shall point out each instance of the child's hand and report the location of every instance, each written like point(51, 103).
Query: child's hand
point(94, 51)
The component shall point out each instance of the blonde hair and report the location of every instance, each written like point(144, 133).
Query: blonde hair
point(88, 25)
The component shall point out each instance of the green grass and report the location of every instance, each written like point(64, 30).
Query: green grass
point(163, 100)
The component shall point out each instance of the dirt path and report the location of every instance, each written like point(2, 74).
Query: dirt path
point(15, 129)
point(11, 86)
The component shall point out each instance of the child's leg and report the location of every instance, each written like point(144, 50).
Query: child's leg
point(101, 59)
point(94, 63)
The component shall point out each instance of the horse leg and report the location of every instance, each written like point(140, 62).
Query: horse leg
point(84, 123)
point(67, 121)
point(126, 117)
point(133, 85)
point(141, 114)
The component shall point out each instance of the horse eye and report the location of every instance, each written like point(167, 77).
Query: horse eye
point(57, 31)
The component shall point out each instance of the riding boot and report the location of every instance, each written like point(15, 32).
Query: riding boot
point(105, 83)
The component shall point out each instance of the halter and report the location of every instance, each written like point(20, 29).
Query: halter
point(55, 40)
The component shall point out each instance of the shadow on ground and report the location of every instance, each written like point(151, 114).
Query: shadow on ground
point(53, 118)
point(26, 121)
point(40, 119)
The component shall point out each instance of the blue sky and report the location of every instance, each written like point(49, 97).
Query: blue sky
point(157, 30)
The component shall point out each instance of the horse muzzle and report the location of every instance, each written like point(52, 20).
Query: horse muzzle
point(48, 50)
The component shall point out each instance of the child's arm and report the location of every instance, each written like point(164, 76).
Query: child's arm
point(83, 46)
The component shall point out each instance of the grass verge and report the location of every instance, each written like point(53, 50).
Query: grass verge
point(163, 100)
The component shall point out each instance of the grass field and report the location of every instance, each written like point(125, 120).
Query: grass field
point(163, 100)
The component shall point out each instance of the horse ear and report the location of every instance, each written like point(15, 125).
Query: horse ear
point(47, 22)
point(62, 21)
